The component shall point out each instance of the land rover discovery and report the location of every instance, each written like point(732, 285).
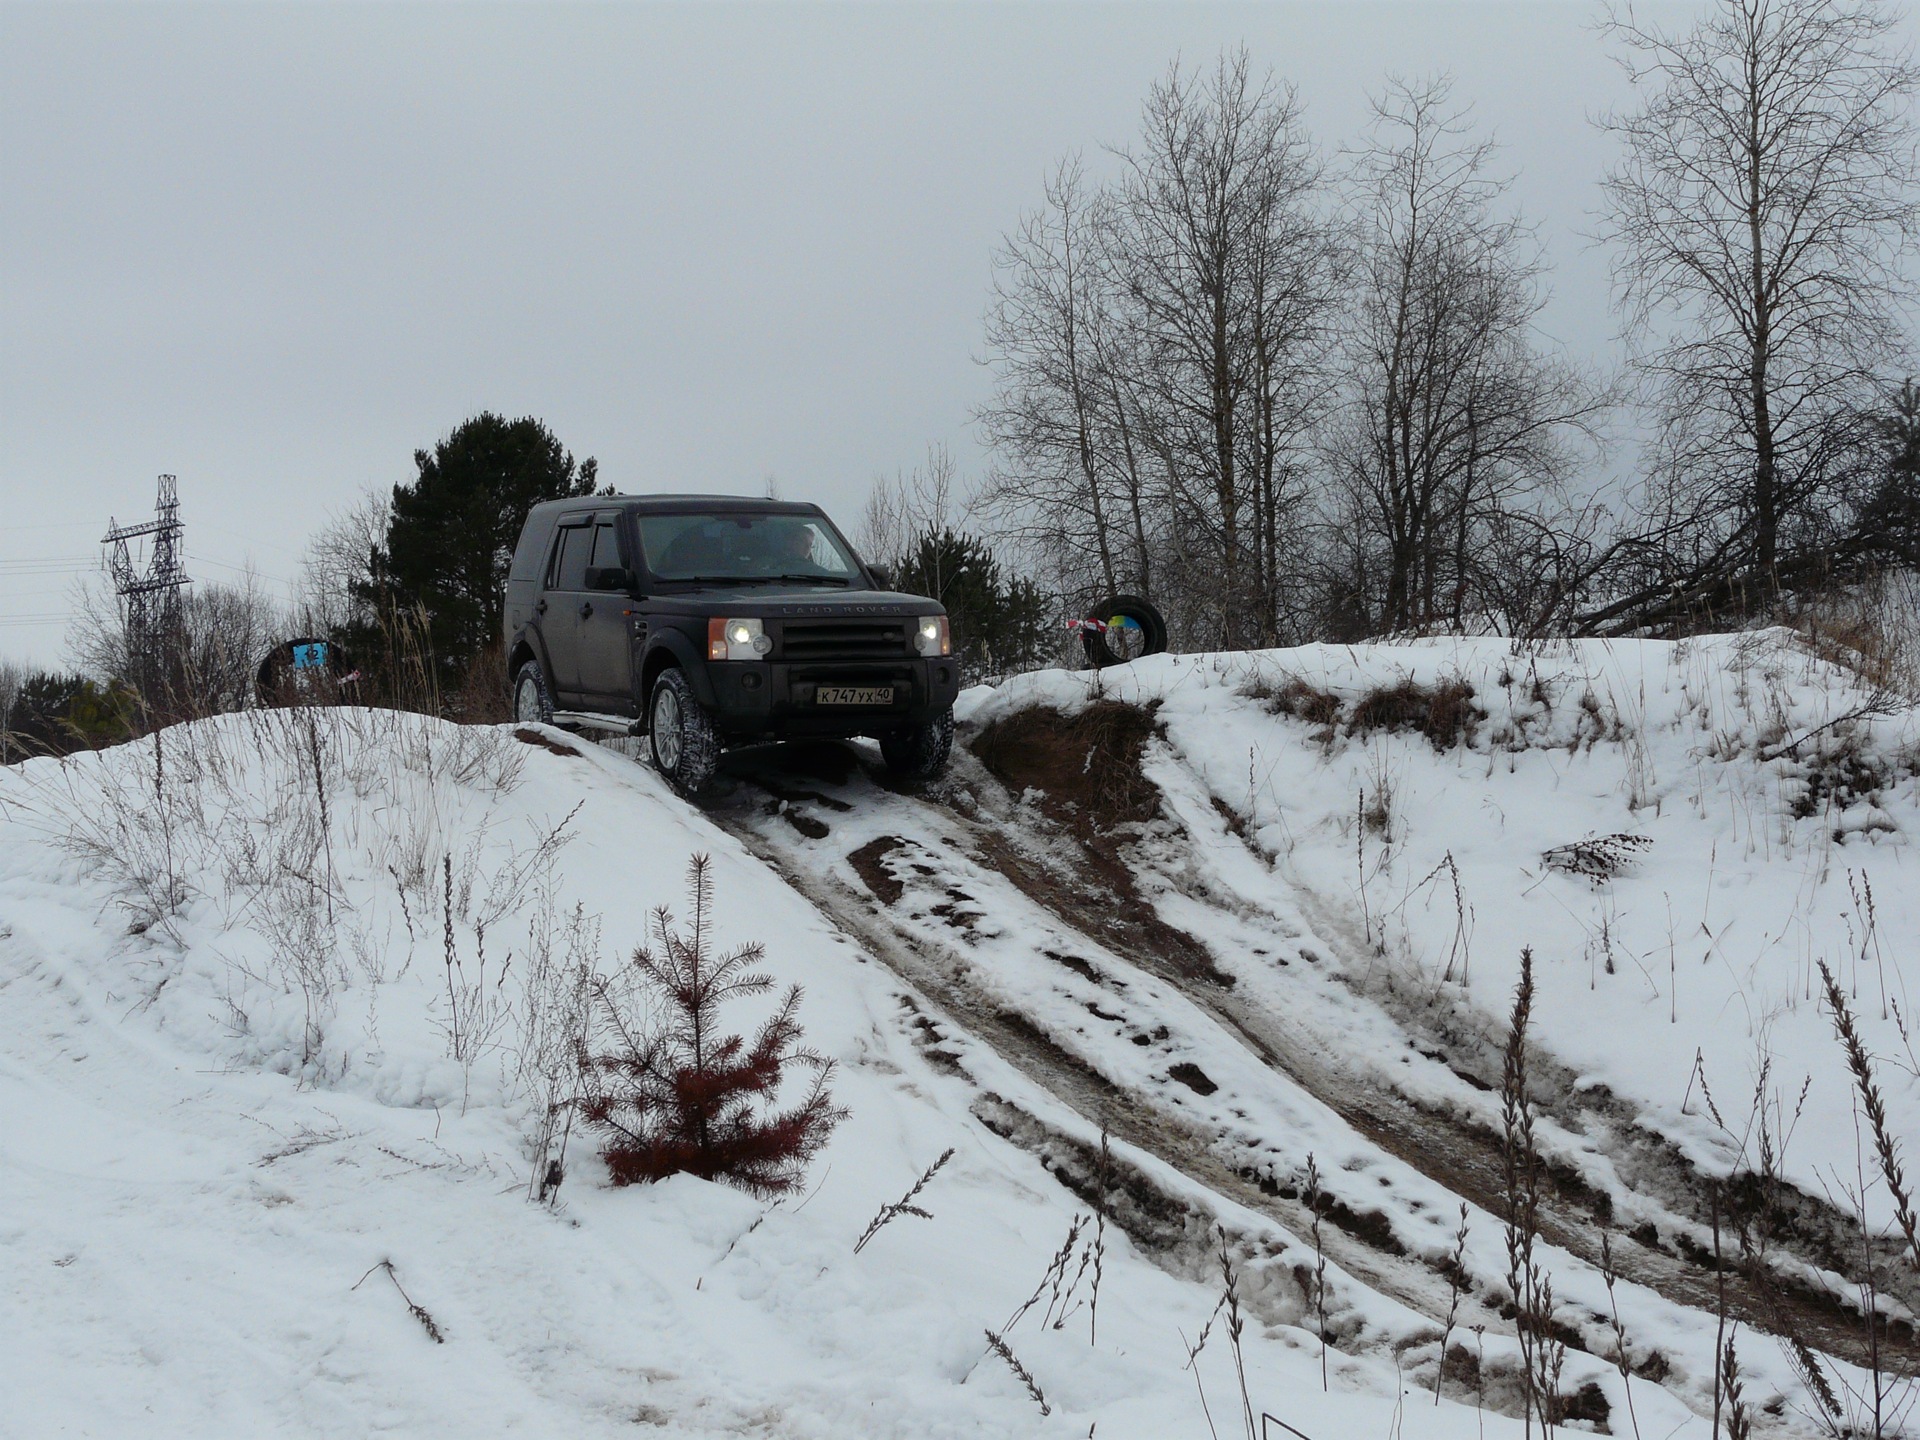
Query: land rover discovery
point(710, 621)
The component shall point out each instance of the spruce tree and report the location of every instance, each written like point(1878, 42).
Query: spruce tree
point(672, 1094)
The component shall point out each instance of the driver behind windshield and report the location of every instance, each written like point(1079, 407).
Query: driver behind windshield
point(791, 547)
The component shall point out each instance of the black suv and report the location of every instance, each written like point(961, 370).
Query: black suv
point(706, 621)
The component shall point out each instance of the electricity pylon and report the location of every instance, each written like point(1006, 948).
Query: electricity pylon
point(150, 602)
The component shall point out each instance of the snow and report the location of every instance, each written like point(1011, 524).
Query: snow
point(1706, 946)
point(235, 1084)
point(203, 1166)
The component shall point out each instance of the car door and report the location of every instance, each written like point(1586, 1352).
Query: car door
point(566, 594)
point(606, 656)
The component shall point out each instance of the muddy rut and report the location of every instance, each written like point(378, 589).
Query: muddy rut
point(1078, 860)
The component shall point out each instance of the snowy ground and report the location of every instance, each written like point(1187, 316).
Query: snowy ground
point(224, 1104)
point(233, 1079)
point(1754, 858)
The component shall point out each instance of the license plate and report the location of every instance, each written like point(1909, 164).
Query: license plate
point(853, 695)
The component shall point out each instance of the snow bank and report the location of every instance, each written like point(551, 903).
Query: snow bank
point(1681, 832)
point(267, 1015)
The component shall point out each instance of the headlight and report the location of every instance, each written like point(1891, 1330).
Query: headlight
point(737, 639)
point(933, 637)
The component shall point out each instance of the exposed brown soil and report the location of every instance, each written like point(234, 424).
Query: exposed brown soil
point(1086, 772)
point(1089, 762)
point(528, 736)
point(869, 863)
point(1194, 1078)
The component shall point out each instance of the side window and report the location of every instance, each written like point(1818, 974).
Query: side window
point(532, 550)
point(569, 569)
point(606, 546)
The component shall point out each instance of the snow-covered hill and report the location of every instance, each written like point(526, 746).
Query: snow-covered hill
point(276, 991)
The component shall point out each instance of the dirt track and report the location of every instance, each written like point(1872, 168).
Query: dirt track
point(1071, 864)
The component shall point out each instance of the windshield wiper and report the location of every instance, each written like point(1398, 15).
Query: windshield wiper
point(753, 580)
point(787, 580)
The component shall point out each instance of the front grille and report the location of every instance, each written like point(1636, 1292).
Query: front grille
point(802, 640)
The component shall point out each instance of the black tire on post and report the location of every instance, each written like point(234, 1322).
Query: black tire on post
point(1147, 634)
point(532, 701)
point(919, 752)
point(681, 737)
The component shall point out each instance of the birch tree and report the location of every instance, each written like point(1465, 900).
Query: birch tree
point(1758, 213)
point(1454, 411)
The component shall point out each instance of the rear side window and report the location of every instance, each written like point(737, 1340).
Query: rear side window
point(570, 556)
point(532, 549)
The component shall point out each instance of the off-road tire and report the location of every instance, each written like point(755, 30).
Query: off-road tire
point(919, 752)
point(680, 736)
point(532, 700)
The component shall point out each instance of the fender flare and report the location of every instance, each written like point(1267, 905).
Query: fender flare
point(530, 637)
point(692, 664)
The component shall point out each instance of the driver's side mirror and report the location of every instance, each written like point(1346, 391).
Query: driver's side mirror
point(611, 577)
point(884, 574)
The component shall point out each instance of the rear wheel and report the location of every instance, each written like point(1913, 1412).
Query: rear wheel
point(686, 748)
point(532, 701)
point(919, 752)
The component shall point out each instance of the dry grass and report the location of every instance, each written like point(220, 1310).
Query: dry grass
point(1871, 630)
point(1444, 713)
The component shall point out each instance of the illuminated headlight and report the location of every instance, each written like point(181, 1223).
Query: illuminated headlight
point(933, 637)
point(737, 639)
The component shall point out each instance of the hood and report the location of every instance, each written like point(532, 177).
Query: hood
point(780, 602)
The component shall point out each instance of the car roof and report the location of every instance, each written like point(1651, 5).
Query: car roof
point(680, 504)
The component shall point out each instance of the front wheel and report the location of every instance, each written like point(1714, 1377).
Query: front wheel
point(919, 752)
point(686, 748)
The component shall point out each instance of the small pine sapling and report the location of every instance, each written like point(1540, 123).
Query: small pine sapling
point(680, 1097)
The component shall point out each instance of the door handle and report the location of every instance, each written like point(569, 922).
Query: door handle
point(586, 608)
point(540, 605)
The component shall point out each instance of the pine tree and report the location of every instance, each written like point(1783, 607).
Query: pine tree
point(451, 534)
point(674, 1095)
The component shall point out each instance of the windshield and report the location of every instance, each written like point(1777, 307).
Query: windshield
point(746, 547)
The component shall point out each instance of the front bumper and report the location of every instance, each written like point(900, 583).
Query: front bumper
point(760, 699)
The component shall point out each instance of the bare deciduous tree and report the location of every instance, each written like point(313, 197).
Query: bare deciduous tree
point(224, 632)
point(1069, 483)
point(1453, 413)
point(336, 573)
point(1159, 347)
point(1226, 266)
point(902, 509)
point(1758, 215)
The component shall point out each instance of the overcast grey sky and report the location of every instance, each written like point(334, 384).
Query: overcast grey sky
point(275, 249)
